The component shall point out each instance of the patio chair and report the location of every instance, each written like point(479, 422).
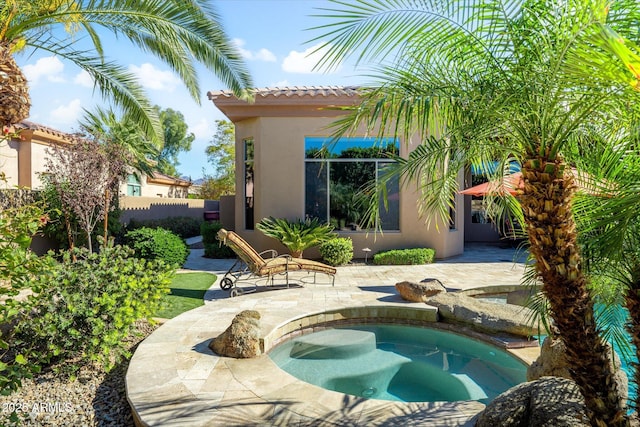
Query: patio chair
point(251, 266)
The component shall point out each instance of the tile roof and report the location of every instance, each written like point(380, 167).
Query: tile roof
point(28, 125)
point(299, 91)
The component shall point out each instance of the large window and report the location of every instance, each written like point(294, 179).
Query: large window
point(133, 186)
point(336, 179)
point(249, 183)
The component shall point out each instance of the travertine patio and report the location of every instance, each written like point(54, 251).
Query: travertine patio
point(174, 379)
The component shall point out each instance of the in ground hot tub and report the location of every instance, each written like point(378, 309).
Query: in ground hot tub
point(400, 363)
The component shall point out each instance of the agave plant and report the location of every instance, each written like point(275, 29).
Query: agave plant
point(296, 235)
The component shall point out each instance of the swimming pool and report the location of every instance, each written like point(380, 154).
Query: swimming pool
point(400, 363)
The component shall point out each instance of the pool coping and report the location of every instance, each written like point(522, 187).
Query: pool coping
point(175, 379)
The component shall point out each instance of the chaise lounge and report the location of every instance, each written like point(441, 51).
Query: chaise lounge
point(251, 266)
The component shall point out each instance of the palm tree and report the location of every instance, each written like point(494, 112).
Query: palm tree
point(179, 32)
point(296, 235)
point(498, 80)
point(609, 218)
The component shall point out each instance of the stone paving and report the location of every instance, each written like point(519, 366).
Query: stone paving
point(175, 380)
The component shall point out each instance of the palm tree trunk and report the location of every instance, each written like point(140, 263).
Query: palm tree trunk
point(14, 89)
point(546, 202)
point(633, 305)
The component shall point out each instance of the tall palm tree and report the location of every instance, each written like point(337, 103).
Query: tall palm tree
point(477, 81)
point(179, 32)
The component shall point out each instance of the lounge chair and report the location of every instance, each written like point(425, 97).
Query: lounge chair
point(251, 266)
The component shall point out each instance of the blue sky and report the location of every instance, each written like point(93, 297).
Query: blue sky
point(271, 34)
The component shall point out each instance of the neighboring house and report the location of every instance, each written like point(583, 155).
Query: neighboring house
point(156, 185)
point(22, 160)
point(283, 171)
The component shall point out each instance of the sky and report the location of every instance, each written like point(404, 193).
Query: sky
point(272, 35)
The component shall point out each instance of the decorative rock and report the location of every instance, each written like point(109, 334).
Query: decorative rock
point(241, 339)
point(483, 315)
point(549, 401)
point(552, 362)
point(419, 292)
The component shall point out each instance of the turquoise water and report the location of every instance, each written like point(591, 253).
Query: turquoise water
point(400, 363)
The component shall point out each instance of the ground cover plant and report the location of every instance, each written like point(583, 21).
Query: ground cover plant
point(405, 256)
point(186, 292)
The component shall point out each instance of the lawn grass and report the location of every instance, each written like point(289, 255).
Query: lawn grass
point(187, 292)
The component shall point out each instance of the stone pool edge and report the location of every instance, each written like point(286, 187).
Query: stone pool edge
point(174, 379)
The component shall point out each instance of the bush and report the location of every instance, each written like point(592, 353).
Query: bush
point(157, 243)
point(18, 267)
point(212, 246)
point(405, 256)
point(183, 226)
point(338, 251)
point(83, 310)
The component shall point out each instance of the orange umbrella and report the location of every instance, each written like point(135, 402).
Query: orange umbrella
point(509, 183)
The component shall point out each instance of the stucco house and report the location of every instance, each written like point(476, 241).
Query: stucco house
point(283, 171)
point(22, 160)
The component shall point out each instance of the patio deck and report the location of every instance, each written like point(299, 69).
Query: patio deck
point(175, 380)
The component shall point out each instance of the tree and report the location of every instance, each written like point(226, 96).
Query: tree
point(108, 127)
point(221, 152)
point(609, 220)
point(502, 80)
point(179, 32)
point(85, 176)
point(176, 140)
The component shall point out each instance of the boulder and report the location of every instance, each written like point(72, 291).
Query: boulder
point(241, 339)
point(549, 401)
point(419, 292)
point(552, 362)
point(483, 315)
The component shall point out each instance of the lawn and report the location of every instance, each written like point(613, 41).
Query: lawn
point(187, 292)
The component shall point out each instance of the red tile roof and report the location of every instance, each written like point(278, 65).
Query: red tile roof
point(299, 91)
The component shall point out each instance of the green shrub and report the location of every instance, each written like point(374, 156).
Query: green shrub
point(405, 256)
point(83, 310)
point(338, 251)
point(157, 243)
point(18, 266)
point(183, 226)
point(212, 246)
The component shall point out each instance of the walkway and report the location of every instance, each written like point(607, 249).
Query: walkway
point(174, 379)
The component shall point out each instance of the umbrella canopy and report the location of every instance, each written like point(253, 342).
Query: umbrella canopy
point(509, 183)
point(515, 181)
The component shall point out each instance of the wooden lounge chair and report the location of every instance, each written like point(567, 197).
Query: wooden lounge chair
point(251, 266)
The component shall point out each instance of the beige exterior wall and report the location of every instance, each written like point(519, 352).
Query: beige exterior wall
point(9, 162)
point(38, 157)
point(280, 186)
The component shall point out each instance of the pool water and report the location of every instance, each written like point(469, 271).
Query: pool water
point(400, 363)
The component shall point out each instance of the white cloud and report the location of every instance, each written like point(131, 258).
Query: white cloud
point(69, 113)
point(261, 55)
point(202, 129)
point(155, 79)
point(281, 83)
point(48, 67)
point(304, 62)
point(83, 79)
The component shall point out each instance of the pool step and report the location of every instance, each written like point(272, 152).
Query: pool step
point(334, 344)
